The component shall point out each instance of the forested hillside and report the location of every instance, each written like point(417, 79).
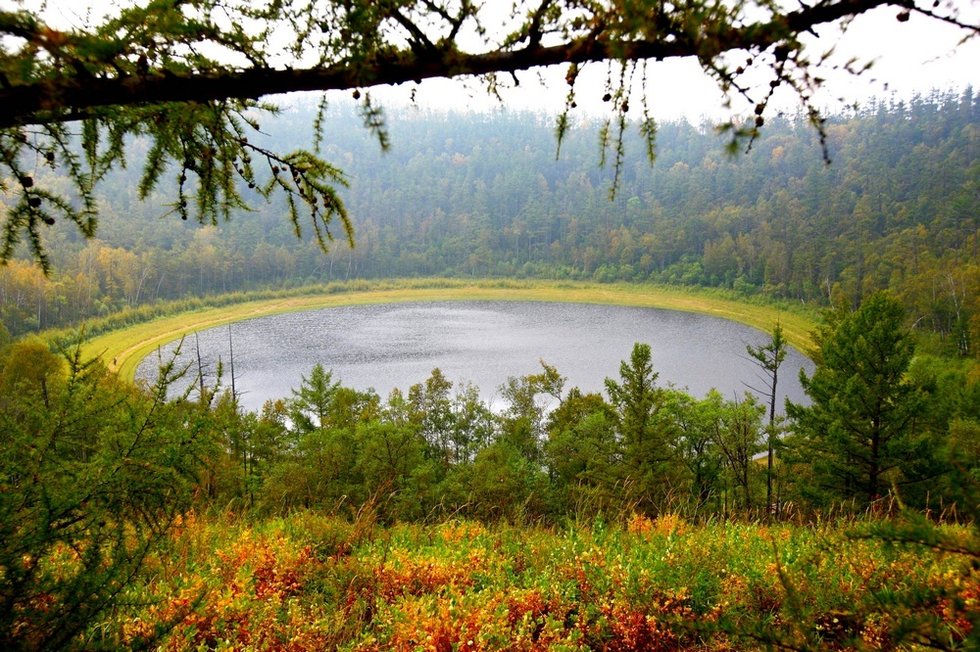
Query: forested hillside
point(477, 195)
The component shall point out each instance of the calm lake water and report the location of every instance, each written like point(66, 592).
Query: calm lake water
point(483, 342)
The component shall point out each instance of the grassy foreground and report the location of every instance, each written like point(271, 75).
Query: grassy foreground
point(316, 582)
point(123, 349)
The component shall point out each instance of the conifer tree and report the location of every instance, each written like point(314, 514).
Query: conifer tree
point(859, 434)
point(312, 403)
point(92, 475)
point(646, 433)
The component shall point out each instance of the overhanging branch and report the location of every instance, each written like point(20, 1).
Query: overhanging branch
point(70, 98)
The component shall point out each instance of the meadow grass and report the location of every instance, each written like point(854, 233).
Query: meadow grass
point(122, 349)
point(314, 581)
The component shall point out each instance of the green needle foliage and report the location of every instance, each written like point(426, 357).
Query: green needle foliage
point(92, 475)
point(861, 432)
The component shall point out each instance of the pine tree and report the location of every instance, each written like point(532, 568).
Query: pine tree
point(311, 404)
point(93, 474)
point(860, 433)
point(645, 431)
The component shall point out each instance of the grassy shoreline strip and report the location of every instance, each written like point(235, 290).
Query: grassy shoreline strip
point(124, 348)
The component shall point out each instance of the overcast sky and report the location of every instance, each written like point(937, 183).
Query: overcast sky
point(915, 56)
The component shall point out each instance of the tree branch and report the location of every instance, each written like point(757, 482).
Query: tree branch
point(62, 99)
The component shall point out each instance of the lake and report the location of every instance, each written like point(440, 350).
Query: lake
point(483, 342)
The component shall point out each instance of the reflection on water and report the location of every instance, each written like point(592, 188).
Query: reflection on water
point(397, 345)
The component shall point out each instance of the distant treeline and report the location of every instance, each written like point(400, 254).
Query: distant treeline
point(485, 196)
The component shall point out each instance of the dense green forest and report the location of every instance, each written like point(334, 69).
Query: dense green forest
point(490, 195)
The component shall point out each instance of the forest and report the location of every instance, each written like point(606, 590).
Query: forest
point(477, 196)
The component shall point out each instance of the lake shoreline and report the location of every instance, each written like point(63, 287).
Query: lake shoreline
point(381, 348)
point(124, 348)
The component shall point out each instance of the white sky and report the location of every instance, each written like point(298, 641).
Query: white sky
point(915, 56)
point(919, 55)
